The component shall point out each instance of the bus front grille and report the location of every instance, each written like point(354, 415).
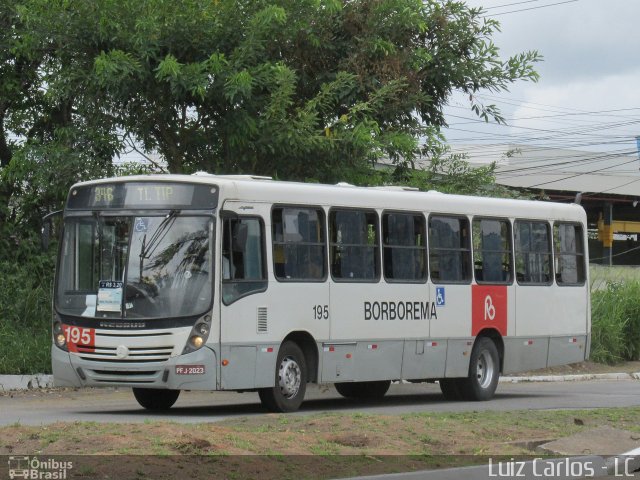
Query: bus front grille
point(131, 355)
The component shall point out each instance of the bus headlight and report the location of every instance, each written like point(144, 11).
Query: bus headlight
point(60, 340)
point(58, 335)
point(203, 329)
point(199, 335)
point(196, 341)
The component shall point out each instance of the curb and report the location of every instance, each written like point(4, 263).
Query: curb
point(32, 382)
point(572, 378)
point(630, 460)
point(25, 382)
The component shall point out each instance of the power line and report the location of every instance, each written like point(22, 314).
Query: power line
point(531, 8)
point(511, 4)
point(548, 168)
point(579, 174)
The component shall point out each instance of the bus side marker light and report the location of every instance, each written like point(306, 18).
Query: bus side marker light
point(573, 340)
point(225, 362)
point(372, 347)
point(267, 350)
point(432, 344)
point(348, 355)
point(529, 342)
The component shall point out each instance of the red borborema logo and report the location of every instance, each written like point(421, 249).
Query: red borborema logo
point(488, 308)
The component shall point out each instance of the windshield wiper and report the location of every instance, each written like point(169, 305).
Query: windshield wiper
point(161, 231)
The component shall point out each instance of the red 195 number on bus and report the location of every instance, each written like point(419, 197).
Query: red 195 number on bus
point(80, 338)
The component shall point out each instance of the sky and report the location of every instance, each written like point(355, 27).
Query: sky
point(588, 96)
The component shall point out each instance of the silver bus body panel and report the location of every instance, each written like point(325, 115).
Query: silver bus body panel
point(542, 321)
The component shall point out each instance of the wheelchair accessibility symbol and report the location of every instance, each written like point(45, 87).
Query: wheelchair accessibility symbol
point(141, 224)
point(440, 296)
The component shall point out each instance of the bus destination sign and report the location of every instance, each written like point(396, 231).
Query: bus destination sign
point(155, 195)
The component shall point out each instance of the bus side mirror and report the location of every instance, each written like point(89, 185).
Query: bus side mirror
point(46, 229)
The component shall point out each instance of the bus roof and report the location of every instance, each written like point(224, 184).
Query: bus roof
point(263, 189)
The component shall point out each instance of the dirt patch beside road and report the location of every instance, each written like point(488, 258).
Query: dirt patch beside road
point(315, 446)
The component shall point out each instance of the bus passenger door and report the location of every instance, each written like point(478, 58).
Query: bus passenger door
point(246, 347)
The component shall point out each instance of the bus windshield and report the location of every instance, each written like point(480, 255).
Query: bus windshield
point(135, 266)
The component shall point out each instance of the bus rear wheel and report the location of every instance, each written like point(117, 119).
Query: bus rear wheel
point(363, 390)
point(290, 381)
point(484, 372)
point(155, 399)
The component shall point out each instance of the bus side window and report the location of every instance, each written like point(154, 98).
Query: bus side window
point(533, 252)
point(243, 270)
point(404, 247)
point(299, 248)
point(354, 245)
point(569, 250)
point(449, 249)
point(492, 252)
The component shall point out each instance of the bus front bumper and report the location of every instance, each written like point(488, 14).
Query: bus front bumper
point(193, 371)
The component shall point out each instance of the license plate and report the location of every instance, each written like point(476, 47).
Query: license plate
point(189, 369)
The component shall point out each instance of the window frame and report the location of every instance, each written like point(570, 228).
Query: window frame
point(265, 273)
point(549, 252)
point(325, 244)
point(469, 279)
point(510, 239)
point(424, 248)
point(376, 246)
point(557, 255)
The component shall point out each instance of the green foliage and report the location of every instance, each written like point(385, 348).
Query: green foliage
point(302, 89)
point(615, 323)
point(25, 302)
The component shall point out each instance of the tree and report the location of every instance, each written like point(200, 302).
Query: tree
point(50, 135)
point(303, 89)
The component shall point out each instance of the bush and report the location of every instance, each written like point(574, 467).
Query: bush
point(615, 322)
point(25, 312)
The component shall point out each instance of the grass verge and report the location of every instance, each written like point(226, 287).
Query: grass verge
point(615, 319)
point(315, 447)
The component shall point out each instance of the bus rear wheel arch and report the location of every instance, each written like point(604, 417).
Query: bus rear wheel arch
point(156, 399)
point(291, 376)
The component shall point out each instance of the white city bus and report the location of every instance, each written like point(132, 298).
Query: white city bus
point(203, 282)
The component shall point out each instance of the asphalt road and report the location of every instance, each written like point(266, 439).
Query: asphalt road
point(118, 405)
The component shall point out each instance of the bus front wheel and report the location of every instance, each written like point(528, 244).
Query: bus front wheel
point(484, 371)
point(155, 399)
point(290, 381)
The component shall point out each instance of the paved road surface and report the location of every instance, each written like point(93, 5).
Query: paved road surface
point(118, 405)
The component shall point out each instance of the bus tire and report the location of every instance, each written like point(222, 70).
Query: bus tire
point(450, 388)
point(155, 399)
point(363, 390)
point(290, 381)
point(484, 371)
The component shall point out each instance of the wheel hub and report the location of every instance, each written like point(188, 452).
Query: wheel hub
point(289, 377)
point(485, 369)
